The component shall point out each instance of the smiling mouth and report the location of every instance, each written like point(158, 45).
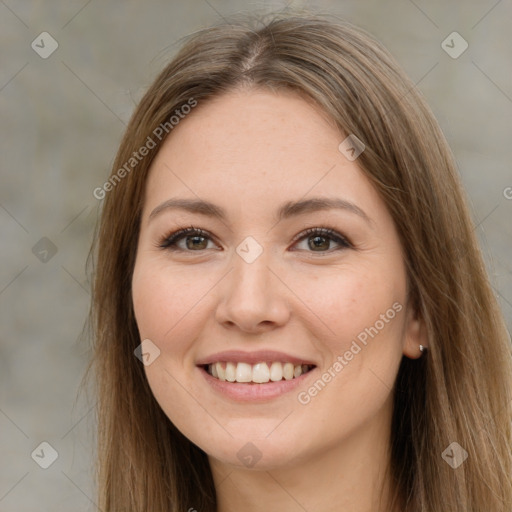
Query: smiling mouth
point(259, 373)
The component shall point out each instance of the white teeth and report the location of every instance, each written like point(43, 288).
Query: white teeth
point(230, 372)
point(276, 372)
point(244, 372)
point(259, 373)
point(288, 371)
point(221, 371)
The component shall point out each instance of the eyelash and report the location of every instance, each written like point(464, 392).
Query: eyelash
point(169, 241)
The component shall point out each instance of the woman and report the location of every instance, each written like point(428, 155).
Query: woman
point(290, 308)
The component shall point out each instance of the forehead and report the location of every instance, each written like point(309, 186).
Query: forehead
point(253, 148)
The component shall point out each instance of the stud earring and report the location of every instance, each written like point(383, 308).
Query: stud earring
point(423, 349)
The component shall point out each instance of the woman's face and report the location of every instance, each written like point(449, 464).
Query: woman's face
point(292, 294)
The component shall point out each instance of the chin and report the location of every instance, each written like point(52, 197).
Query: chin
point(256, 454)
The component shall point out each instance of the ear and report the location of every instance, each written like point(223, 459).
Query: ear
point(415, 334)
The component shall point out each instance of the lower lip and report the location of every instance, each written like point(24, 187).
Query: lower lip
point(253, 392)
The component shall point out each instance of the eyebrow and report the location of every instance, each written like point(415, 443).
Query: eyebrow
point(287, 210)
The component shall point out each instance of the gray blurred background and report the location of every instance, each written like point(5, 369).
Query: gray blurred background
point(62, 117)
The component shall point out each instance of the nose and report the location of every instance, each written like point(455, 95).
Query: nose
point(252, 297)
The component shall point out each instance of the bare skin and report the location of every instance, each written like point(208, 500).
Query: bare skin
point(249, 152)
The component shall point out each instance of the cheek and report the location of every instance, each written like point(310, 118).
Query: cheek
point(167, 308)
point(365, 314)
point(357, 304)
point(165, 303)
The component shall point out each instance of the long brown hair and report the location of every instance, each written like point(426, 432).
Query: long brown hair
point(459, 392)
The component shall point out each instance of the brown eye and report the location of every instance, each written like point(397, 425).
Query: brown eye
point(318, 242)
point(320, 239)
point(195, 240)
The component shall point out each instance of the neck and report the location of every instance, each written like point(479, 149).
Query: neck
point(351, 476)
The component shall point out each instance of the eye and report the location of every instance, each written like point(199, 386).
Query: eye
point(319, 239)
point(194, 238)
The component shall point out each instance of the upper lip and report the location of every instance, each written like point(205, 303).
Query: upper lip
point(240, 356)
